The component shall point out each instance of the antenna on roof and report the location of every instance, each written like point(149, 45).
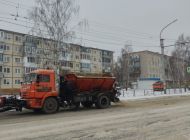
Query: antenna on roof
point(16, 16)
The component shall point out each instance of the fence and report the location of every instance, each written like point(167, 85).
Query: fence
point(150, 92)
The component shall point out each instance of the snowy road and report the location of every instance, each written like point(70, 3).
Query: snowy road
point(161, 118)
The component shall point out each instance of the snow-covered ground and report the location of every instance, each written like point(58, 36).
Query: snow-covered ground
point(132, 94)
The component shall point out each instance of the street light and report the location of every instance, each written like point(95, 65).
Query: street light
point(162, 51)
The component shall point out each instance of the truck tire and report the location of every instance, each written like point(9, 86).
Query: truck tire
point(87, 104)
point(50, 105)
point(102, 102)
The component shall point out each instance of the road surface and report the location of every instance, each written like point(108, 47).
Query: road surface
point(165, 118)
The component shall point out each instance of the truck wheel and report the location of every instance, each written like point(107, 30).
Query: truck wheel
point(50, 106)
point(103, 102)
point(87, 104)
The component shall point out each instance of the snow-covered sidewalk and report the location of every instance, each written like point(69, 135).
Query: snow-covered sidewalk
point(132, 94)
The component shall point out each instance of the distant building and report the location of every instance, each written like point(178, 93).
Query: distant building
point(147, 66)
point(22, 53)
point(11, 60)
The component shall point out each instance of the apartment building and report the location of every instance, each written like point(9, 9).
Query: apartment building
point(147, 65)
point(11, 62)
point(22, 53)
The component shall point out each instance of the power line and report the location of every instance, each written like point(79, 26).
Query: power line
point(99, 32)
point(14, 4)
point(125, 29)
point(135, 35)
point(103, 42)
point(148, 36)
point(110, 36)
point(115, 39)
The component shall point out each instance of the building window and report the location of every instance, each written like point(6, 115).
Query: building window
point(1, 68)
point(6, 81)
point(71, 65)
point(18, 38)
point(85, 65)
point(17, 82)
point(17, 71)
point(6, 48)
point(29, 69)
point(31, 59)
point(2, 47)
point(9, 37)
point(106, 60)
point(1, 34)
point(6, 70)
point(1, 57)
point(5, 35)
point(6, 59)
point(18, 60)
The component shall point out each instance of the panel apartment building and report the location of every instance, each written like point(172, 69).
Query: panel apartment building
point(147, 65)
point(22, 53)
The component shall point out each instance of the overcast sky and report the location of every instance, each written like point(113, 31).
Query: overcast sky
point(113, 23)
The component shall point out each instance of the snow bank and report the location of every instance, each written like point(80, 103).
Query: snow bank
point(132, 94)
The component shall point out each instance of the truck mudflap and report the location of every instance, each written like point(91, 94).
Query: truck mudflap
point(116, 99)
point(10, 103)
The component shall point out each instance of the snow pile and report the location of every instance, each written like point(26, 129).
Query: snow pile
point(132, 94)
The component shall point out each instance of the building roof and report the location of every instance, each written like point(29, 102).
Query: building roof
point(147, 51)
point(51, 39)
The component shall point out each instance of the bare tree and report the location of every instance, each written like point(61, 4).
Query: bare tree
point(53, 19)
point(122, 66)
point(181, 59)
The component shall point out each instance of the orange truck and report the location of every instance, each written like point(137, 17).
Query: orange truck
point(158, 86)
point(39, 92)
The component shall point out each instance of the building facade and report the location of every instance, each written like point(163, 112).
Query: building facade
point(22, 53)
point(148, 65)
point(11, 60)
point(107, 61)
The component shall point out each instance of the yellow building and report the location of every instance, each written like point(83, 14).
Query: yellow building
point(21, 53)
point(11, 64)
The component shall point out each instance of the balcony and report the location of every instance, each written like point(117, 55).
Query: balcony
point(1, 62)
point(1, 50)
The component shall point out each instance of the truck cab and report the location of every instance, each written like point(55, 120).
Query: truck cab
point(37, 86)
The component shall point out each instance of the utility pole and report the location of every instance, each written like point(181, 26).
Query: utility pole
point(162, 53)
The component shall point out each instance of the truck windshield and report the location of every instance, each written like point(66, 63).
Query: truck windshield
point(30, 77)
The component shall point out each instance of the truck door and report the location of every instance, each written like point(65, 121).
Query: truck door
point(43, 85)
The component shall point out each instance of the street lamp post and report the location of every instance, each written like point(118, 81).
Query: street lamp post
point(162, 52)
